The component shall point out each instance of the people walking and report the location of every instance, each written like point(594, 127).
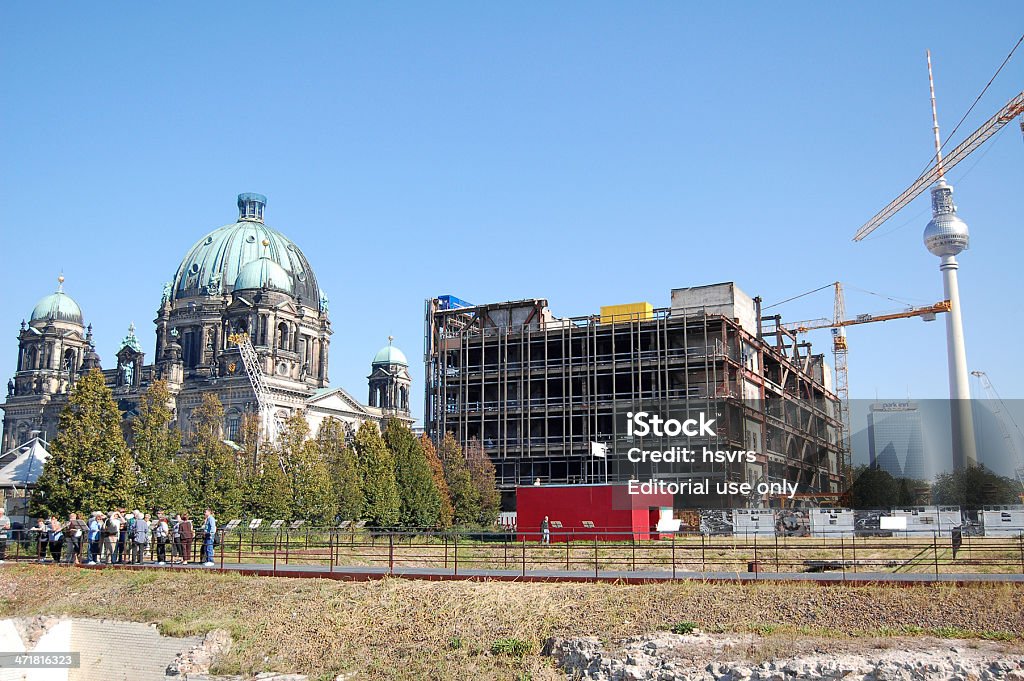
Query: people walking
point(188, 533)
point(5, 529)
point(140, 538)
point(545, 530)
point(209, 534)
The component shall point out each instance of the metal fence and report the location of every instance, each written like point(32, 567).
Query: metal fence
point(599, 553)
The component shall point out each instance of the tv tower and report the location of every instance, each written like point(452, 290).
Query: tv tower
point(945, 237)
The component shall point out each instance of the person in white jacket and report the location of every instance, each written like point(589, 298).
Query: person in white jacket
point(162, 533)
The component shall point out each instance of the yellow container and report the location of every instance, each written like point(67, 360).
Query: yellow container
point(630, 312)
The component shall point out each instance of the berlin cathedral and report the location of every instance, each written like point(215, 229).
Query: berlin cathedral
point(245, 277)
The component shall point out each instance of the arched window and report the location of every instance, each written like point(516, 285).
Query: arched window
point(31, 357)
point(282, 336)
point(403, 393)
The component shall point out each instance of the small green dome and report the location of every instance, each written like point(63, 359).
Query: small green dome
point(389, 354)
point(58, 306)
point(263, 272)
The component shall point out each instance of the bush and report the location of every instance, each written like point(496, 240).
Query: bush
point(684, 628)
point(513, 647)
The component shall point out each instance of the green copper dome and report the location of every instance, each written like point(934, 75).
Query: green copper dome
point(263, 272)
point(389, 354)
point(213, 265)
point(57, 306)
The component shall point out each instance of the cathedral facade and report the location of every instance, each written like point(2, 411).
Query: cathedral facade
point(243, 278)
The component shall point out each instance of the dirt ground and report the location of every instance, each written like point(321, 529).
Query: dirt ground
point(394, 628)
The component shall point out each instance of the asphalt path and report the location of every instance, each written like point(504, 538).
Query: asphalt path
point(363, 573)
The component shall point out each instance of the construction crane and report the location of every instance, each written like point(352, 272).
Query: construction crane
point(999, 411)
point(838, 324)
point(268, 425)
point(1013, 108)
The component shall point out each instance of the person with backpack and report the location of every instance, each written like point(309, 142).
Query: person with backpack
point(140, 533)
point(111, 529)
point(209, 535)
point(162, 533)
point(188, 533)
point(74, 532)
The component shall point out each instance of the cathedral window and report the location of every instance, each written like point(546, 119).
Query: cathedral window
point(282, 336)
point(234, 423)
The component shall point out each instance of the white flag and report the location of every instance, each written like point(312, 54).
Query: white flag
point(598, 449)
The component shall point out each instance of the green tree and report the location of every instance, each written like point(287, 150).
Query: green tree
point(308, 479)
point(465, 496)
point(445, 512)
point(156, 444)
point(974, 487)
point(873, 488)
point(268, 490)
point(377, 477)
point(420, 502)
point(343, 468)
point(90, 467)
point(481, 472)
point(211, 469)
point(312, 489)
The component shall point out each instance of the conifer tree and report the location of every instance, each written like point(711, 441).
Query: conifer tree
point(465, 497)
point(445, 513)
point(481, 471)
point(268, 490)
point(90, 467)
point(211, 469)
point(156, 444)
point(343, 468)
point(377, 477)
point(312, 492)
point(419, 500)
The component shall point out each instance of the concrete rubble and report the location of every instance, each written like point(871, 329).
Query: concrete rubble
point(671, 657)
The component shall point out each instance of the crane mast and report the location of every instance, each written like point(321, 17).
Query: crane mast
point(268, 426)
point(999, 412)
point(840, 347)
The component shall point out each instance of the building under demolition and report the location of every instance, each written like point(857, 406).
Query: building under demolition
point(536, 391)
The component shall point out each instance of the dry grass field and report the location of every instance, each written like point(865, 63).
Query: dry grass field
point(399, 629)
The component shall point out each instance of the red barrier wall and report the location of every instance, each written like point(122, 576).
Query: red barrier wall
point(614, 512)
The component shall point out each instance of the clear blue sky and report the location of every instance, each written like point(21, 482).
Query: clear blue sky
point(589, 153)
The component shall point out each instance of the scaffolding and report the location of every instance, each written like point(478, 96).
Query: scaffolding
point(535, 390)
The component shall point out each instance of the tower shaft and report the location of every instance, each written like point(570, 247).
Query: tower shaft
point(961, 418)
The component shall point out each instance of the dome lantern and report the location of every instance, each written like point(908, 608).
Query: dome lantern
point(250, 206)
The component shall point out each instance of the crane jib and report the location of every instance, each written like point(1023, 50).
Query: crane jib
point(1013, 108)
